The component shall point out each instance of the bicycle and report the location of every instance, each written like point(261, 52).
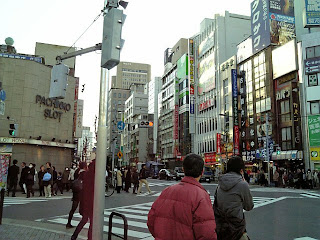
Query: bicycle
point(110, 187)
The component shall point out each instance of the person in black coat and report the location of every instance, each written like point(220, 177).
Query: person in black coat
point(86, 202)
point(40, 178)
point(30, 180)
point(54, 188)
point(13, 173)
point(23, 177)
point(127, 180)
point(79, 174)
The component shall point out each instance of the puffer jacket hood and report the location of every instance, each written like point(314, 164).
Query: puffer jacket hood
point(229, 180)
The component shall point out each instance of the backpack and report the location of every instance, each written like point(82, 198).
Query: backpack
point(46, 177)
point(77, 185)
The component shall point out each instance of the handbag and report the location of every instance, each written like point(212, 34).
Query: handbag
point(77, 185)
point(46, 177)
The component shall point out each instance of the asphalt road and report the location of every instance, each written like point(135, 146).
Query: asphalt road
point(279, 214)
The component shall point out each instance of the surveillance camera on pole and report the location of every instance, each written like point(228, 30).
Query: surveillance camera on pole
point(111, 40)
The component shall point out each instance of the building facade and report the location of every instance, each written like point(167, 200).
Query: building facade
point(154, 88)
point(169, 113)
point(216, 43)
point(129, 73)
point(44, 127)
point(116, 108)
point(310, 102)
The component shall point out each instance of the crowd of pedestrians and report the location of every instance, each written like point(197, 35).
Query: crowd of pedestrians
point(48, 180)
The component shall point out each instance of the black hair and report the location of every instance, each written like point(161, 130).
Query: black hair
point(24, 163)
point(15, 161)
point(193, 165)
point(82, 165)
point(235, 164)
point(49, 163)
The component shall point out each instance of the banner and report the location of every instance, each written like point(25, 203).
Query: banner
point(4, 165)
point(218, 143)
point(312, 13)
point(236, 134)
point(176, 122)
point(314, 130)
point(206, 74)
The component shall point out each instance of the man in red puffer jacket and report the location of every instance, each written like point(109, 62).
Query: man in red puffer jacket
point(184, 211)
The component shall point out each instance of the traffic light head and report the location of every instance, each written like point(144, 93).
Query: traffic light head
point(111, 39)
point(13, 129)
point(145, 124)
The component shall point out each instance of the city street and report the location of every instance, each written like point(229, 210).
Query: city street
point(280, 214)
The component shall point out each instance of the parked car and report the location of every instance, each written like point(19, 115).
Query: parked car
point(167, 174)
point(179, 173)
point(207, 175)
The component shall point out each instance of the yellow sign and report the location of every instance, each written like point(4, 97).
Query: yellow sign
point(120, 155)
point(315, 153)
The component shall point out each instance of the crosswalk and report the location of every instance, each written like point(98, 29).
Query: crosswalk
point(311, 195)
point(137, 216)
point(170, 183)
point(14, 201)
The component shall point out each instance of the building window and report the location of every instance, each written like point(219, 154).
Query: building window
point(285, 111)
point(313, 52)
point(313, 80)
point(286, 139)
point(315, 107)
point(115, 95)
point(119, 95)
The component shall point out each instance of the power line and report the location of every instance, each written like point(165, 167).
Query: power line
point(97, 17)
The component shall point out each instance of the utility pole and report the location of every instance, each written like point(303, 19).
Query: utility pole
point(110, 57)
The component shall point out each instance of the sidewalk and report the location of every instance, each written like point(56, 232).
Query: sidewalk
point(12, 229)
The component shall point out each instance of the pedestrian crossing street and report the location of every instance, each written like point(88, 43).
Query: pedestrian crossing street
point(137, 216)
point(14, 201)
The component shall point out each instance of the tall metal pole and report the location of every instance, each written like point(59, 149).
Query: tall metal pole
point(101, 160)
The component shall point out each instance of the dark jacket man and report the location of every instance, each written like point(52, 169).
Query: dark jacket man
point(184, 211)
point(13, 173)
point(23, 176)
point(231, 198)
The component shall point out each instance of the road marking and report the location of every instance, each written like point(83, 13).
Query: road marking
point(310, 195)
point(14, 201)
point(305, 238)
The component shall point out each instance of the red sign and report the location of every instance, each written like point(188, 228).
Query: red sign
point(206, 104)
point(210, 157)
point(176, 122)
point(236, 145)
point(218, 143)
point(191, 90)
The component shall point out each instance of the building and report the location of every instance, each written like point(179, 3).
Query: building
point(154, 88)
point(42, 128)
point(310, 98)
point(86, 144)
point(170, 146)
point(137, 136)
point(116, 107)
point(129, 73)
point(217, 43)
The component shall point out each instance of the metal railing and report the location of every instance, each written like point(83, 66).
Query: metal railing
point(125, 230)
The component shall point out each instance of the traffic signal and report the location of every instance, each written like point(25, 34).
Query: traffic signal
point(278, 150)
point(111, 39)
point(13, 130)
point(145, 124)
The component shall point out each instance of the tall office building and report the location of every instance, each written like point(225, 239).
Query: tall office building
point(129, 73)
point(154, 88)
point(217, 42)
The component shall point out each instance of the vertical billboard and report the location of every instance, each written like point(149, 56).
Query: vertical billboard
point(243, 108)
point(218, 143)
point(206, 74)
point(260, 27)
point(236, 134)
point(311, 17)
point(272, 22)
point(282, 21)
point(191, 88)
point(79, 118)
point(314, 130)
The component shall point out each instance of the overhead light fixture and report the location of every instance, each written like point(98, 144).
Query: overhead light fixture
point(53, 139)
point(39, 138)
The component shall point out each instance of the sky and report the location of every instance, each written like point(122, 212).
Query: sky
point(151, 27)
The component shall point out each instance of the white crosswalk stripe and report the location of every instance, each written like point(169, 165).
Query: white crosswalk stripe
point(137, 216)
point(311, 195)
point(14, 201)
